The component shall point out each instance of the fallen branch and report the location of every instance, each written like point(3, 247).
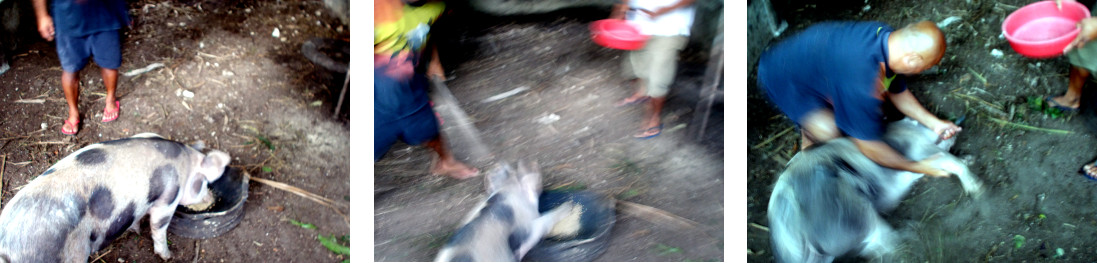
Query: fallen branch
point(979, 101)
point(140, 71)
point(977, 75)
point(38, 101)
point(767, 141)
point(654, 215)
point(51, 143)
point(101, 256)
point(1003, 122)
point(306, 194)
point(3, 160)
point(761, 227)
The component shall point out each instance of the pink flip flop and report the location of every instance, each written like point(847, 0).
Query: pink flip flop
point(117, 109)
point(75, 125)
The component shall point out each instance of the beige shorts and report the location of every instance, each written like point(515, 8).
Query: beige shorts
point(656, 63)
point(1085, 57)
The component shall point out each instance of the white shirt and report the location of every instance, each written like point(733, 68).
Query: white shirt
point(673, 23)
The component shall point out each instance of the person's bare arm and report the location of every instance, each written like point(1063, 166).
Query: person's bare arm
point(45, 21)
point(434, 70)
point(1088, 27)
point(910, 107)
point(667, 9)
point(885, 156)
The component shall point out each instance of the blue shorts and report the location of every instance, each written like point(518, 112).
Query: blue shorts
point(414, 129)
point(105, 47)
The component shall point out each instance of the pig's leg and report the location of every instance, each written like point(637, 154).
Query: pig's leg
point(159, 217)
point(972, 185)
point(542, 225)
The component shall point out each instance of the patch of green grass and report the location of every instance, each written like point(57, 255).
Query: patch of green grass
point(333, 245)
point(664, 250)
point(1038, 104)
point(436, 243)
point(302, 225)
point(628, 194)
point(627, 167)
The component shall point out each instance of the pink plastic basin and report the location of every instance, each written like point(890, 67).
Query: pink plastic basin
point(617, 34)
point(1040, 30)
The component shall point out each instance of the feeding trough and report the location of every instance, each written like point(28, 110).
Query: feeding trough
point(229, 193)
point(580, 237)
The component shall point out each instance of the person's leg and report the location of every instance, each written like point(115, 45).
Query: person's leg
point(73, 54)
point(106, 49)
point(1090, 169)
point(422, 128)
point(110, 81)
point(447, 164)
point(1071, 98)
point(631, 66)
point(662, 62)
point(818, 126)
point(70, 84)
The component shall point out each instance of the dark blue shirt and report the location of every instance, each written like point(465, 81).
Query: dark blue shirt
point(84, 17)
point(839, 62)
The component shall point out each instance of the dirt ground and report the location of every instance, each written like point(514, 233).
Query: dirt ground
point(226, 81)
point(1038, 207)
point(566, 122)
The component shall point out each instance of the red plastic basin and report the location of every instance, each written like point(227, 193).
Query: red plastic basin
point(1041, 30)
point(617, 34)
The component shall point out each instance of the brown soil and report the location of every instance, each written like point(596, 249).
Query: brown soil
point(589, 146)
point(254, 96)
point(1035, 193)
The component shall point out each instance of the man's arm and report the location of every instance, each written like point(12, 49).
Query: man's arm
point(664, 10)
point(885, 156)
point(434, 69)
point(619, 10)
point(910, 106)
point(45, 22)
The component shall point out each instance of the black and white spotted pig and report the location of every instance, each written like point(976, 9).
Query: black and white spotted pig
point(827, 203)
point(506, 225)
point(85, 200)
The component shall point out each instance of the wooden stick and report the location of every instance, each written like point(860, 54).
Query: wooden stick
point(101, 256)
point(1003, 122)
point(307, 195)
point(764, 228)
point(655, 215)
point(767, 141)
point(3, 161)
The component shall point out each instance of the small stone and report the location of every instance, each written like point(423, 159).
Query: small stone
point(275, 33)
point(188, 94)
point(996, 53)
point(44, 126)
point(227, 73)
point(247, 10)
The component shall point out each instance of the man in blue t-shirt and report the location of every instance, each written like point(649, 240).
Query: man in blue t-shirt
point(85, 29)
point(832, 78)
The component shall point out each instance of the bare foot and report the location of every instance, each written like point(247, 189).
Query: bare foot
point(453, 168)
point(1090, 170)
point(634, 99)
point(1062, 103)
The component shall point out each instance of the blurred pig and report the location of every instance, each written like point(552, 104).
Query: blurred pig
point(827, 203)
point(507, 224)
point(84, 201)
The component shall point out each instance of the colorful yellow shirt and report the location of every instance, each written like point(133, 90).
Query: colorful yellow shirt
point(399, 27)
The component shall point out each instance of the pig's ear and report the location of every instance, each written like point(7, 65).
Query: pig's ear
point(194, 189)
point(213, 165)
point(497, 177)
